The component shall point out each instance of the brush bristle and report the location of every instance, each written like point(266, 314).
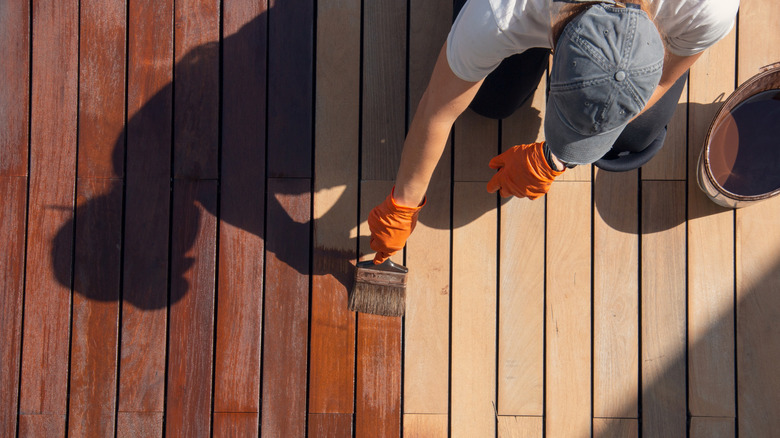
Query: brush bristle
point(378, 299)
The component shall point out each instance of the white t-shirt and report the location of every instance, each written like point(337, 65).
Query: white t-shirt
point(487, 31)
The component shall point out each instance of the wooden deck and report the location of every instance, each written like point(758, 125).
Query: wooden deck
point(183, 185)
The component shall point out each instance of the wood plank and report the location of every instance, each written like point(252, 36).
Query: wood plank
point(102, 28)
point(95, 323)
point(568, 315)
point(615, 428)
point(711, 390)
point(147, 209)
point(520, 427)
point(712, 427)
point(290, 88)
point(135, 424)
point(237, 424)
point(13, 191)
point(425, 425)
point(34, 426)
point(337, 133)
point(426, 343)
point(521, 285)
point(241, 242)
point(51, 199)
point(15, 93)
point(378, 379)
point(384, 89)
point(757, 249)
point(615, 294)
point(191, 324)
point(670, 162)
point(475, 143)
point(663, 309)
point(196, 85)
point(330, 425)
point(285, 332)
point(474, 311)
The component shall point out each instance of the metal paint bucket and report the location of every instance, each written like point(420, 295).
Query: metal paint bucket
point(740, 161)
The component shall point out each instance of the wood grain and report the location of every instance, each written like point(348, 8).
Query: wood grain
point(15, 92)
point(33, 426)
point(285, 332)
point(196, 89)
point(474, 311)
point(242, 211)
point(337, 133)
point(568, 313)
point(521, 284)
point(96, 283)
point(615, 428)
point(13, 190)
point(712, 427)
point(663, 309)
point(384, 89)
point(147, 210)
point(135, 424)
point(520, 427)
point(290, 88)
point(615, 294)
point(46, 329)
point(330, 425)
point(235, 424)
point(191, 325)
point(711, 388)
point(425, 425)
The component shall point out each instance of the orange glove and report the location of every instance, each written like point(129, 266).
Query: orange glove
point(391, 224)
point(522, 171)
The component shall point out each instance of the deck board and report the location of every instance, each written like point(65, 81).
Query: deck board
point(185, 189)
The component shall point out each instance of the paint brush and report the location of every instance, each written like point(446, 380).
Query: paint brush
point(379, 289)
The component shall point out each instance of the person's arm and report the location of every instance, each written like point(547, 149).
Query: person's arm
point(674, 67)
point(445, 99)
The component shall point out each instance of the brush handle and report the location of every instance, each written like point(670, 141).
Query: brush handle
point(387, 265)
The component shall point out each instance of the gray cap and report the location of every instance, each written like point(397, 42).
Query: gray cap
point(606, 66)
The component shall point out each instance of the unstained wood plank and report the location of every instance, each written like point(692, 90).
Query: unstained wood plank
point(337, 133)
point(568, 310)
point(49, 255)
point(242, 211)
point(520, 427)
point(663, 309)
point(615, 428)
point(15, 92)
point(474, 311)
point(615, 294)
point(712, 427)
point(285, 331)
point(475, 143)
point(191, 325)
point(425, 425)
point(670, 162)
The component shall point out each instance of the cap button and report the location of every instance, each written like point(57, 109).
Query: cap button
point(619, 76)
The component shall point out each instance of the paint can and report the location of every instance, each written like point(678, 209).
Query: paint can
point(740, 161)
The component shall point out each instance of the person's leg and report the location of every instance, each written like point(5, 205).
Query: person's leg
point(511, 84)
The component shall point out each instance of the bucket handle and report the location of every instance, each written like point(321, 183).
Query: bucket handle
point(766, 68)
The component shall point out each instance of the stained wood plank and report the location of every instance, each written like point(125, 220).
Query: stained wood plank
point(670, 162)
point(568, 313)
point(615, 428)
point(384, 89)
point(241, 242)
point(15, 93)
point(102, 28)
point(191, 325)
point(238, 424)
point(290, 88)
point(425, 425)
point(712, 427)
point(135, 424)
point(337, 133)
point(615, 295)
point(663, 309)
point(52, 180)
point(426, 343)
point(147, 211)
point(285, 333)
point(41, 425)
point(330, 425)
point(378, 379)
point(196, 85)
point(521, 285)
point(520, 427)
point(95, 323)
point(13, 191)
point(711, 361)
point(474, 311)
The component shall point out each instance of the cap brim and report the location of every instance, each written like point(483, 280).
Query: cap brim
point(569, 145)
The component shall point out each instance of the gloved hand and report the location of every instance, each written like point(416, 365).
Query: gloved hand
point(522, 171)
point(391, 224)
